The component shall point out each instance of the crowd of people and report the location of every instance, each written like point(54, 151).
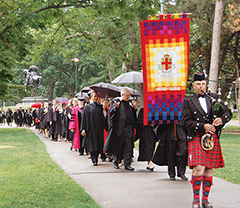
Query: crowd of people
point(20, 116)
point(108, 129)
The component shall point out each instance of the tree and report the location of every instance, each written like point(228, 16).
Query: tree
point(216, 39)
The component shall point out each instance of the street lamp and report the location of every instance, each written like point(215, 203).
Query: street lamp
point(76, 60)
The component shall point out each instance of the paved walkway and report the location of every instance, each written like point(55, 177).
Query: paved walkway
point(141, 188)
point(233, 123)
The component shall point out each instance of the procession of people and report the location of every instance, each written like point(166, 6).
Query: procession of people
point(103, 128)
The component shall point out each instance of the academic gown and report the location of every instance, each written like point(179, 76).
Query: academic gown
point(50, 119)
point(41, 116)
point(117, 120)
point(15, 117)
point(21, 116)
point(69, 135)
point(164, 154)
point(29, 118)
point(94, 123)
point(75, 123)
point(147, 138)
point(57, 117)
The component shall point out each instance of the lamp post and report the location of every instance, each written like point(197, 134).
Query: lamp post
point(76, 60)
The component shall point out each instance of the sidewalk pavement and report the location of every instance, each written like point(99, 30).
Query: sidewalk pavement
point(141, 188)
point(233, 123)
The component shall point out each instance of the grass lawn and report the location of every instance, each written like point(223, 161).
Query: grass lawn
point(30, 178)
point(230, 144)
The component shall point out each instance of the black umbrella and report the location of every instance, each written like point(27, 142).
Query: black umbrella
point(106, 90)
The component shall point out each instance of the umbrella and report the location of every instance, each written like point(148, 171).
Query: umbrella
point(134, 93)
point(85, 89)
point(129, 77)
point(106, 90)
point(61, 99)
point(81, 95)
point(36, 105)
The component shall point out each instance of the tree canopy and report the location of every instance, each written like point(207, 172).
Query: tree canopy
point(104, 34)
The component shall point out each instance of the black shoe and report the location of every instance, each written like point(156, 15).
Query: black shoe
point(103, 160)
point(80, 153)
point(195, 204)
point(172, 178)
point(206, 204)
point(183, 177)
point(95, 164)
point(151, 169)
point(129, 167)
point(116, 166)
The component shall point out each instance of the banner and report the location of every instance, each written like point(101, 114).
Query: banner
point(165, 62)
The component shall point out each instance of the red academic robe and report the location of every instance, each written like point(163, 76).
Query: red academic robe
point(74, 124)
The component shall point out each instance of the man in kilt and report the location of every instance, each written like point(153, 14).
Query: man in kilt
point(197, 118)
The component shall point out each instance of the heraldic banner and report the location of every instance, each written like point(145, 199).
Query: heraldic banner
point(165, 62)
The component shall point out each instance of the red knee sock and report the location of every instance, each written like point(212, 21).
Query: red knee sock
point(207, 183)
point(196, 185)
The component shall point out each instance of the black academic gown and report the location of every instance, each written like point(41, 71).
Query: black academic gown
point(15, 117)
point(29, 118)
point(41, 117)
point(93, 123)
point(69, 133)
point(172, 148)
point(147, 138)
point(50, 119)
point(57, 117)
point(117, 122)
point(21, 117)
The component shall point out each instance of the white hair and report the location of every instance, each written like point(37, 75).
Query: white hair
point(75, 100)
point(123, 90)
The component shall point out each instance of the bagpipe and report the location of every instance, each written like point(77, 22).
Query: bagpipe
point(218, 107)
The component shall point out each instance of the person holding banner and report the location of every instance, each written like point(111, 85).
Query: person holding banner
point(197, 118)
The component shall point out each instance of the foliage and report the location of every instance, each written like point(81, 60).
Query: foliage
point(201, 37)
point(105, 35)
point(30, 178)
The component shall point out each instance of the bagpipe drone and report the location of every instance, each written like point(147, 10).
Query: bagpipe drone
point(218, 107)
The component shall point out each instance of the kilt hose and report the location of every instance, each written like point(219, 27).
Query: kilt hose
point(198, 156)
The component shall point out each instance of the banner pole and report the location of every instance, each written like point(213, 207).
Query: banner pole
point(162, 6)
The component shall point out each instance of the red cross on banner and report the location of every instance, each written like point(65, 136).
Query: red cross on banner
point(166, 62)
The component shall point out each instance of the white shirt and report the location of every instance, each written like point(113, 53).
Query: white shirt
point(203, 103)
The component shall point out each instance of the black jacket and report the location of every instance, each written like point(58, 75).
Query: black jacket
point(194, 117)
point(117, 122)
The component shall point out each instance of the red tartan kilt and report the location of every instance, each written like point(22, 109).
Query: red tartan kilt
point(198, 156)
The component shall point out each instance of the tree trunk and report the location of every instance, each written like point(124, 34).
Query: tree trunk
point(72, 91)
point(237, 85)
point(50, 90)
point(217, 26)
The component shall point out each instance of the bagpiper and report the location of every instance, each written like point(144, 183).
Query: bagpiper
point(203, 127)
